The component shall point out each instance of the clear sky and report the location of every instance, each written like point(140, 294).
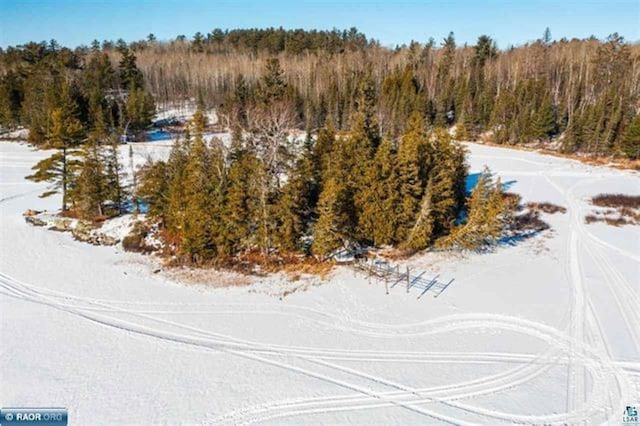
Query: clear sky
point(510, 22)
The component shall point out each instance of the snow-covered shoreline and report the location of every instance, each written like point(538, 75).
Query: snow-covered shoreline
point(545, 331)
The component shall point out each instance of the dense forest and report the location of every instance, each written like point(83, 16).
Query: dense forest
point(269, 194)
point(581, 94)
point(379, 165)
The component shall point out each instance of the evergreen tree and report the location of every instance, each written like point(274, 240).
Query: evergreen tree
point(444, 80)
point(413, 165)
point(114, 175)
point(154, 189)
point(11, 94)
point(379, 199)
point(543, 124)
point(140, 109)
point(135, 202)
point(176, 166)
point(546, 37)
point(401, 94)
point(98, 78)
point(485, 218)
point(130, 76)
point(199, 119)
point(92, 187)
point(242, 202)
point(421, 233)
point(573, 136)
point(322, 151)
point(65, 135)
point(296, 204)
point(448, 176)
point(331, 231)
point(196, 239)
point(198, 42)
point(463, 127)
point(356, 152)
point(218, 186)
point(348, 165)
point(630, 143)
point(272, 84)
point(365, 118)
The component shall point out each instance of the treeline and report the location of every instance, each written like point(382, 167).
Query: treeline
point(586, 90)
point(39, 79)
point(269, 193)
point(274, 41)
point(579, 95)
point(80, 109)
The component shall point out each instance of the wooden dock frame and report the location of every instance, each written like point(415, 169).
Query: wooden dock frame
point(376, 268)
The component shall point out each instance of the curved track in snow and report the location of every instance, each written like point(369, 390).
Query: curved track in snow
point(598, 383)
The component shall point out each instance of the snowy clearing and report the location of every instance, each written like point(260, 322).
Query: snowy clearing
point(546, 331)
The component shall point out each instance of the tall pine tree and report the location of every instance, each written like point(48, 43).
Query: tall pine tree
point(413, 165)
point(61, 168)
point(379, 199)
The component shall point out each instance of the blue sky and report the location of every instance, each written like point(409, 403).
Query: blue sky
point(392, 22)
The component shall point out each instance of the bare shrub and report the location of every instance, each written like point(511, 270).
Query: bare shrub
point(529, 221)
point(255, 262)
point(627, 208)
point(618, 221)
point(616, 201)
point(546, 207)
point(590, 218)
point(634, 215)
point(136, 240)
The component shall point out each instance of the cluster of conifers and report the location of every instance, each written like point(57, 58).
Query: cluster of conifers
point(336, 190)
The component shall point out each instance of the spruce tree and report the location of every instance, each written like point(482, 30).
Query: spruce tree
point(176, 165)
point(365, 120)
point(218, 186)
point(135, 202)
point(572, 137)
point(379, 199)
point(296, 204)
point(196, 240)
point(357, 151)
point(130, 76)
point(92, 187)
point(485, 218)
point(630, 143)
point(331, 231)
point(322, 150)
point(154, 189)
point(413, 164)
point(448, 175)
point(199, 119)
point(242, 202)
point(11, 93)
point(98, 78)
point(140, 109)
point(543, 123)
point(65, 135)
point(272, 85)
point(348, 176)
point(421, 233)
point(444, 81)
point(114, 174)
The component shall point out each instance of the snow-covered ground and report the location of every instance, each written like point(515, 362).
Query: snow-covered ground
point(183, 111)
point(546, 331)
